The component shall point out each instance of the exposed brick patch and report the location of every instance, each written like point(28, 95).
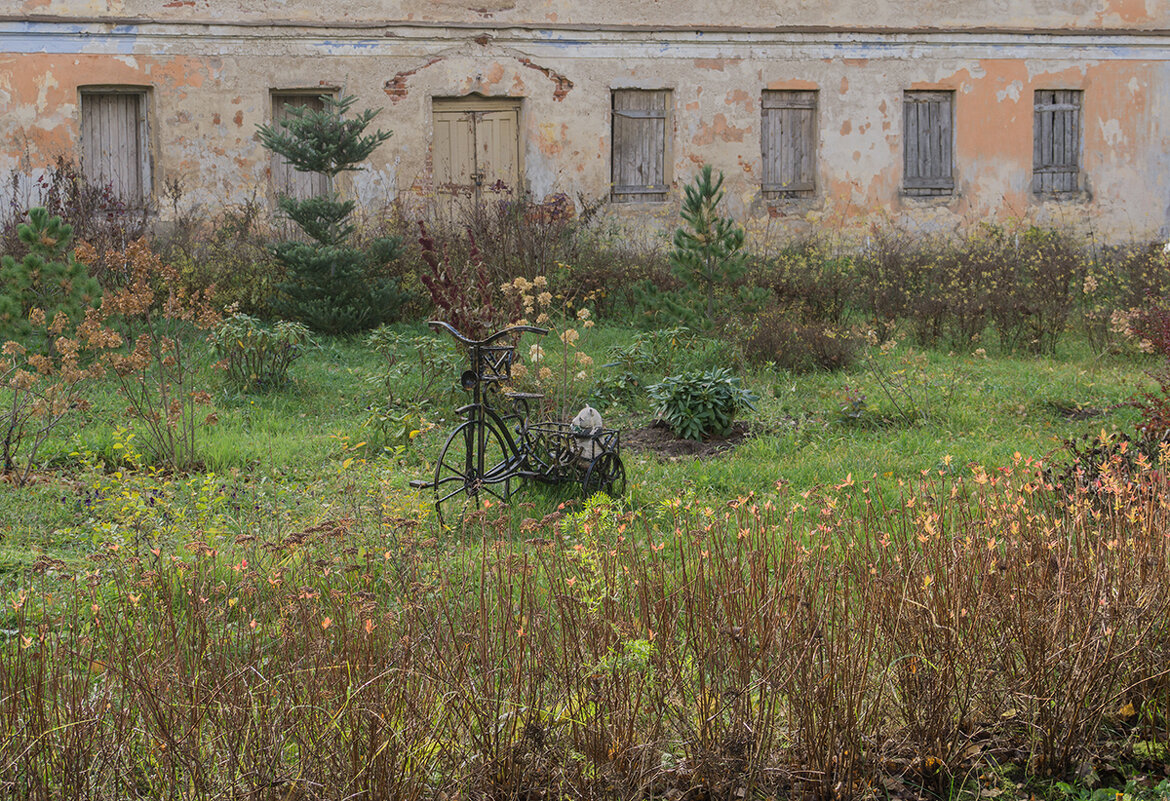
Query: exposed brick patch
point(564, 85)
point(396, 86)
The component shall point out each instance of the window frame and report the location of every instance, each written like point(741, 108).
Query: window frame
point(1046, 170)
point(939, 136)
point(145, 153)
point(631, 192)
point(780, 101)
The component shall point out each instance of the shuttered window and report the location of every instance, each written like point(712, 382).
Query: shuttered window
point(286, 179)
point(788, 138)
point(1056, 151)
point(640, 157)
point(114, 150)
point(927, 143)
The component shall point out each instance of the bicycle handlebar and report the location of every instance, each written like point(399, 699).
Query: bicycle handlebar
point(513, 329)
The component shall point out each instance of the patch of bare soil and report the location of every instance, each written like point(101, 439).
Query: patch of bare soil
point(658, 439)
point(1078, 412)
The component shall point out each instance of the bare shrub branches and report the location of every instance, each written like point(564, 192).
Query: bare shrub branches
point(820, 644)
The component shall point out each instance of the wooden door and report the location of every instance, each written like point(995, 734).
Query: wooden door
point(476, 147)
point(497, 149)
point(113, 144)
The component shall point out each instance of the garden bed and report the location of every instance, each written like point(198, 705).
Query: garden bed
point(659, 440)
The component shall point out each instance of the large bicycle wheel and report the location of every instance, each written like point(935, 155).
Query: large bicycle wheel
point(606, 474)
point(475, 465)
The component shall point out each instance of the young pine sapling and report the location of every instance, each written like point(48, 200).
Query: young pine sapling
point(332, 286)
point(709, 252)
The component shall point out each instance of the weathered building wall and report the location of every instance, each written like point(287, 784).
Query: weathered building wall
point(209, 86)
point(749, 14)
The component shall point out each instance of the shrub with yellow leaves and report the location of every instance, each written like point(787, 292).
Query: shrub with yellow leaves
point(157, 316)
point(40, 390)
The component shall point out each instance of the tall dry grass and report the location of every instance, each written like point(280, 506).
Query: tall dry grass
point(823, 645)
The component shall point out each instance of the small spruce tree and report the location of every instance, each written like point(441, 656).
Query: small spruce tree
point(48, 278)
point(710, 251)
point(332, 286)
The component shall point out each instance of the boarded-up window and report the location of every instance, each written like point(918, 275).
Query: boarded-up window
point(114, 150)
point(640, 159)
point(928, 151)
point(788, 138)
point(286, 179)
point(1056, 150)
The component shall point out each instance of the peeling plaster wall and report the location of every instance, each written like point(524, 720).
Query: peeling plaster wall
point(209, 88)
point(743, 13)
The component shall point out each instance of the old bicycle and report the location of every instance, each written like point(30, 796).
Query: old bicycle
point(496, 445)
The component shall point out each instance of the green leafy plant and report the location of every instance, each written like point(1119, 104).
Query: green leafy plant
point(332, 286)
point(257, 356)
point(647, 356)
point(414, 368)
point(710, 252)
point(700, 404)
point(616, 388)
point(654, 351)
point(392, 429)
point(415, 372)
point(48, 278)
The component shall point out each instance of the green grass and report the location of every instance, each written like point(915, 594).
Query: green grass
point(972, 409)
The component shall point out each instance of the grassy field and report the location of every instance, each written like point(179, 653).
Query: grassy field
point(889, 417)
point(876, 593)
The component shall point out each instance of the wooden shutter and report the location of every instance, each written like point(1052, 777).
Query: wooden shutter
point(288, 180)
point(788, 138)
point(927, 138)
point(497, 156)
point(113, 143)
point(453, 151)
point(640, 122)
point(476, 144)
point(1056, 136)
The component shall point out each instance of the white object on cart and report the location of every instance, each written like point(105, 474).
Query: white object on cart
point(585, 428)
